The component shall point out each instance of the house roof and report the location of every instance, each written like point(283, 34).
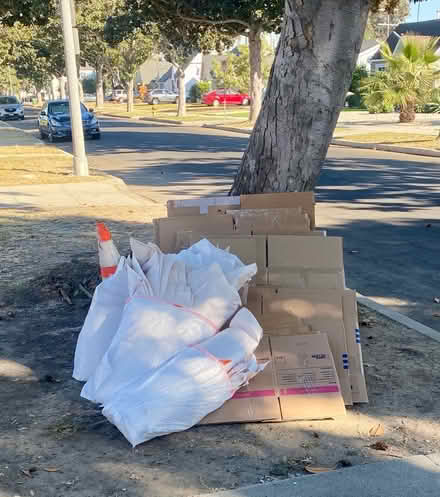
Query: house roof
point(424, 28)
point(392, 41)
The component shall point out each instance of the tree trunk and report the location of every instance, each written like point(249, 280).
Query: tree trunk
point(130, 98)
point(256, 81)
point(407, 114)
point(181, 104)
point(62, 81)
point(54, 90)
point(39, 98)
point(99, 85)
point(316, 54)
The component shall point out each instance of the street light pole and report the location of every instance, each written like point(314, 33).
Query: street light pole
point(80, 164)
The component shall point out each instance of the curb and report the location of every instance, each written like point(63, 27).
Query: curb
point(414, 475)
point(399, 318)
point(228, 128)
point(426, 152)
point(387, 148)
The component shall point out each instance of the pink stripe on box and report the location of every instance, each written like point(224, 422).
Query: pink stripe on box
point(309, 390)
point(254, 394)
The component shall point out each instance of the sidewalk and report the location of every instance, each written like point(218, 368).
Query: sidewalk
point(112, 192)
point(416, 476)
point(13, 136)
point(102, 190)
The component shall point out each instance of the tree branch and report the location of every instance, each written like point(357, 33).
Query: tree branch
point(213, 23)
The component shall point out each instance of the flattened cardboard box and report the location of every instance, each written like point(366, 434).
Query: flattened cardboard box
point(320, 309)
point(305, 262)
point(357, 376)
point(166, 229)
point(199, 206)
point(300, 382)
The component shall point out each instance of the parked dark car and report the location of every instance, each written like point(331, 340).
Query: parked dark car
point(11, 108)
point(54, 121)
point(230, 97)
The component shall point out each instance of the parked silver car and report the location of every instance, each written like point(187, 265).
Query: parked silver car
point(161, 96)
point(11, 108)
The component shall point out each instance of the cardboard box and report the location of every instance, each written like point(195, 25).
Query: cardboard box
point(215, 205)
point(300, 382)
point(322, 310)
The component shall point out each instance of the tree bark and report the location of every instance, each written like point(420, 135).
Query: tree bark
point(407, 114)
point(99, 85)
point(316, 54)
point(62, 81)
point(54, 91)
point(181, 104)
point(130, 97)
point(256, 80)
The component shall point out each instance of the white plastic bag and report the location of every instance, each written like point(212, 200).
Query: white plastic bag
point(103, 318)
point(195, 382)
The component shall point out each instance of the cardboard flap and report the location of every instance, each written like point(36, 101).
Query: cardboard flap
point(305, 252)
point(306, 200)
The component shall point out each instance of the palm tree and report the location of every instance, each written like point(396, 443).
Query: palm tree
point(408, 79)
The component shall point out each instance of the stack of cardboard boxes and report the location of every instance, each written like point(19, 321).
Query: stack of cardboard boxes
point(299, 297)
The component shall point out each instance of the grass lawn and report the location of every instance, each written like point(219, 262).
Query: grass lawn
point(194, 112)
point(391, 138)
point(40, 164)
point(353, 109)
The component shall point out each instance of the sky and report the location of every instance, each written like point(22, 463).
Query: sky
point(428, 10)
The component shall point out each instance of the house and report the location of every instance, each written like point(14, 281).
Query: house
point(158, 73)
point(368, 50)
point(422, 30)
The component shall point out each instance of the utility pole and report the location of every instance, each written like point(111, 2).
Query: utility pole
point(80, 164)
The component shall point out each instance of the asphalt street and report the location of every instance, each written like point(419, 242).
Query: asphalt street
point(385, 205)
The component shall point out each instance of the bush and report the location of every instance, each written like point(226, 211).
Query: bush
point(355, 101)
point(89, 85)
point(380, 108)
point(197, 90)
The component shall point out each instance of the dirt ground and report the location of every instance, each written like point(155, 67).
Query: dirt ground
point(55, 444)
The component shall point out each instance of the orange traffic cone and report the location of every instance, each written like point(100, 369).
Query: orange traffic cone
point(108, 253)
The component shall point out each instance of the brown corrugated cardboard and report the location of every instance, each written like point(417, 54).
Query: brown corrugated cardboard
point(271, 221)
point(305, 262)
point(305, 252)
point(258, 401)
point(300, 382)
point(306, 200)
point(166, 228)
point(306, 377)
point(357, 377)
point(320, 309)
point(198, 206)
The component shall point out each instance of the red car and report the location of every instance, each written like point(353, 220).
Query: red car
point(232, 97)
